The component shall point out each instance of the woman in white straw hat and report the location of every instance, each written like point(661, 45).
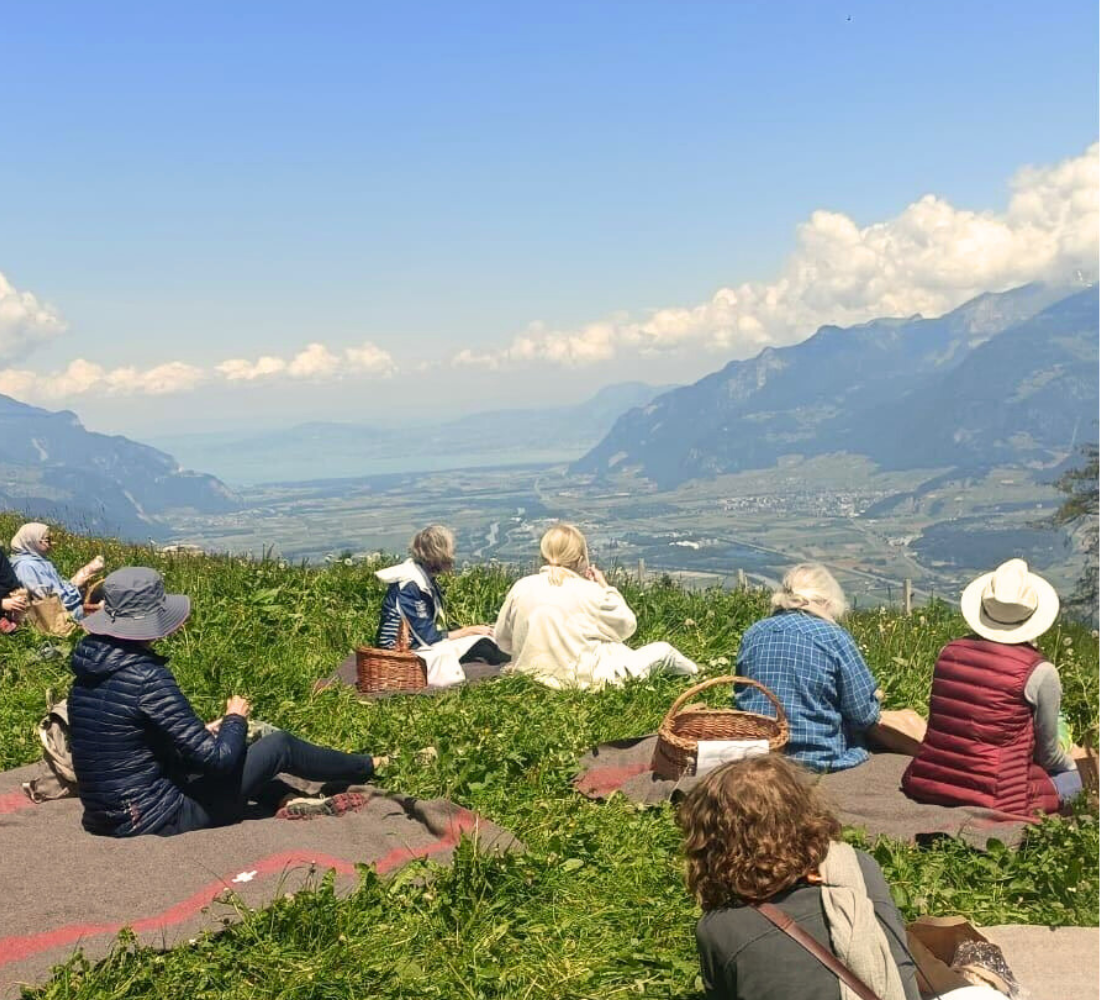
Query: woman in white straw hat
point(992, 735)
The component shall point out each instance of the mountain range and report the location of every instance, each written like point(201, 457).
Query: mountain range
point(1007, 378)
point(327, 450)
point(51, 467)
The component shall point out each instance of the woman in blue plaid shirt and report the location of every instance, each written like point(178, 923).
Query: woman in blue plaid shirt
point(814, 668)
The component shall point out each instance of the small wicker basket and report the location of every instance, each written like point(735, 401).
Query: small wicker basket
point(397, 669)
point(682, 729)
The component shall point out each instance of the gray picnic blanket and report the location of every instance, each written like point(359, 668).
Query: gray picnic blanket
point(346, 673)
point(867, 796)
point(66, 889)
point(1051, 963)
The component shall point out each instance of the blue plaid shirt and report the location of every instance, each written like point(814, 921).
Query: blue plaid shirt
point(816, 671)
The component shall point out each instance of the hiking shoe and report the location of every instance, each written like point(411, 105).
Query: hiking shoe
point(324, 805)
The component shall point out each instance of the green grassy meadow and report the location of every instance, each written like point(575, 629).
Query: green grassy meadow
point(596, 907)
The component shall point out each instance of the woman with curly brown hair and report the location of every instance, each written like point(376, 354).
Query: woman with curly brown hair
point(755, 832)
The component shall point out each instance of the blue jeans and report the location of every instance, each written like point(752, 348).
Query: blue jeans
point(219, 800)
point(1067, 784)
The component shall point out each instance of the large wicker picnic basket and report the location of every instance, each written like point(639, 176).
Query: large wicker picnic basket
point(682, 729)
point(384, 670)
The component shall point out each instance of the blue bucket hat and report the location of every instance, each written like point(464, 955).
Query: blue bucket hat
point(135, 606)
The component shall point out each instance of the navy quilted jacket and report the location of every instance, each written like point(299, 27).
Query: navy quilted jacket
point(134, 738)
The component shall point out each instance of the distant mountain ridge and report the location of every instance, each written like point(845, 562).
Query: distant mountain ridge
point(322, 450)
point(51, 466)
point(1004, 378)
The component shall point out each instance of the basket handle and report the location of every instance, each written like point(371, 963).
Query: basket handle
point(780, 715)
point(402, 645)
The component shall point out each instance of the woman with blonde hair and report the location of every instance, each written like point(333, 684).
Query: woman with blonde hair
point(760, 845)
point(815, 669)
point(566, 626)
point(413, 595)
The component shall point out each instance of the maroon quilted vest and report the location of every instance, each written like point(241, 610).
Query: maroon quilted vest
point(980, 743)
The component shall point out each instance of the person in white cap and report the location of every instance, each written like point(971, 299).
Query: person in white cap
point(992, 735)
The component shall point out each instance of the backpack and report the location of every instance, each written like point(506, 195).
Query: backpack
point(53, 731)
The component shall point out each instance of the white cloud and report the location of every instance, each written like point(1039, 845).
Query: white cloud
point(369, 359)
point(25, 322)
point(237, 369)
point(83, 377)
point(929, 259)
point(314, 362)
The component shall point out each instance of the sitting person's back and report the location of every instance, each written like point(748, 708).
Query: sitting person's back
point(144, 761)
point(814, 668)
point(132, 736)
point(560, 627)
point(566, 626)
point(992, 737)
point(834, 894)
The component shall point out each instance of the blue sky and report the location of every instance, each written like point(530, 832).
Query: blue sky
point(199, 182)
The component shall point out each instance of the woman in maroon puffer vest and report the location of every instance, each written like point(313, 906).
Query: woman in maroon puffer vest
point(992, 735)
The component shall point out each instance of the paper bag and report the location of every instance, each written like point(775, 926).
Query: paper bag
point(899, 731)
point(932, 942)
point(48, 614)
point(1085, 759)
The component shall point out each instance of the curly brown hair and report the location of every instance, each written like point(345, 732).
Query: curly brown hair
point(752, 829)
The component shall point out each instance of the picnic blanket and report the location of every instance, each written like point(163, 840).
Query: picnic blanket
point(1051, 963)
point(867, 796)
point(66, 889)
point(346, 673)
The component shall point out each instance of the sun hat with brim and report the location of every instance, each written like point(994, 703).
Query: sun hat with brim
point(135, 606)
point(1011, 604)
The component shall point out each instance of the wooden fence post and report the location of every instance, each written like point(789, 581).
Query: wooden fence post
point(641, 571)
point(908, 596)
point(742, 580)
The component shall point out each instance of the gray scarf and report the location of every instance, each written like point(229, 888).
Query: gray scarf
point(857, 937)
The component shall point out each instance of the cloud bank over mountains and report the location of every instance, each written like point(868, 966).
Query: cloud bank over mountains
point(928, 259)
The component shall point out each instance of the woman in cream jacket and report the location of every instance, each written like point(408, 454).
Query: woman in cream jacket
point(566, 626)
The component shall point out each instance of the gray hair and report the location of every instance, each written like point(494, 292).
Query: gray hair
point(811, 587)
point(434, 548)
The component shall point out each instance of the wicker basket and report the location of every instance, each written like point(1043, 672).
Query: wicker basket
point(396, 669)
point(682, 728)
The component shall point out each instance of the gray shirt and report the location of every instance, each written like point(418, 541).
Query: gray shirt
point(1044, 693)
point(744, 957)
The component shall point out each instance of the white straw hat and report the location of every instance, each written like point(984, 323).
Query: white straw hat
point(1011, 604)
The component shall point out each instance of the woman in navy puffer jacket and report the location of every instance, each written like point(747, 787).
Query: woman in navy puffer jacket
point(144, 761)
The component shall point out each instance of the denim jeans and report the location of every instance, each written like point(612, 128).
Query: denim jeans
point(219, 800)
point(1067, 784)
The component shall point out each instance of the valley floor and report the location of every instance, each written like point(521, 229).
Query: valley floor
point(875, 529)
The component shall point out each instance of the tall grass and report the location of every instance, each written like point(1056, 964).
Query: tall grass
point(596, 907)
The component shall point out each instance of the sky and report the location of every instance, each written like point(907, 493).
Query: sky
point(226, 216)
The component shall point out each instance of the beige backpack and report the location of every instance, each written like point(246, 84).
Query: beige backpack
point(53, 731)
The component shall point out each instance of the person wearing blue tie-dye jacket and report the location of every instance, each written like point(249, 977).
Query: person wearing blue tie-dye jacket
point(413, 594)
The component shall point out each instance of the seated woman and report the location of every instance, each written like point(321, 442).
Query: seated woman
point(144, 761)
point(413, 595)
point(814, 668)
point(992, 736)
point(754, 832)
point(13, 598)
point(30, 546)
point(566, 626)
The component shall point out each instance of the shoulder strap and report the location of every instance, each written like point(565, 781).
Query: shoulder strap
point(788, 926)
